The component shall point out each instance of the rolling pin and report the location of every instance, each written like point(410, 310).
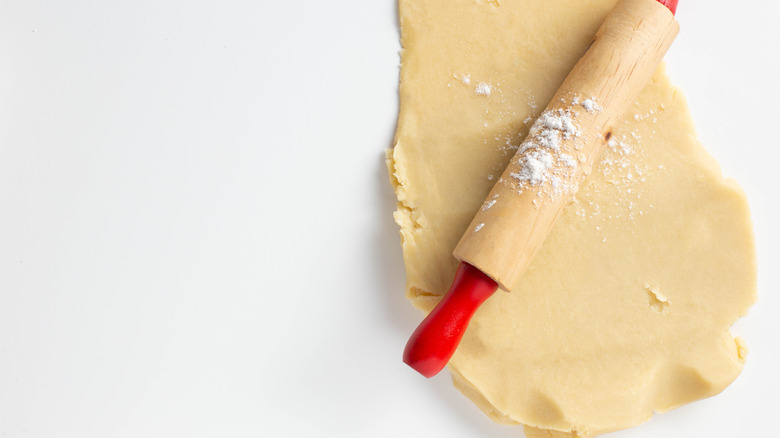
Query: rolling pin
point(546, 171)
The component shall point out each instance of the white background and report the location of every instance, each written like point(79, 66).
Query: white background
point(195, 220)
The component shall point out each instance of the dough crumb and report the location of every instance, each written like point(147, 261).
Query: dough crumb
point(742, 348)
point(658, 301)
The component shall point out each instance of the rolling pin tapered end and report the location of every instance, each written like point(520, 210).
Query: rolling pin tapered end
point(434, 342)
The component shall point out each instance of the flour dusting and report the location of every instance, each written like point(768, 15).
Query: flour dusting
point(590, 105)
point(546, 158)
point(483, 89)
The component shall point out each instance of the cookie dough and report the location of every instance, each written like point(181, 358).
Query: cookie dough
point(626, 308)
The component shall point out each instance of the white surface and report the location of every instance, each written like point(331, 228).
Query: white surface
point(196, 235)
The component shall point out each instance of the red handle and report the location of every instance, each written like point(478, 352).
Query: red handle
point(436, 338)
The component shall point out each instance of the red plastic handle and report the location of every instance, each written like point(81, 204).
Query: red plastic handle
point(436, 338)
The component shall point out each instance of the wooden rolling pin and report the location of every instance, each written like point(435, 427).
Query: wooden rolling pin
point(544, 175)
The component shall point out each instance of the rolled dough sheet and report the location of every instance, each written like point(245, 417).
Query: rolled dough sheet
point(626, 308)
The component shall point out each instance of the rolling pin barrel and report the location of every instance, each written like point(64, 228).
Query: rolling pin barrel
point(523, 205)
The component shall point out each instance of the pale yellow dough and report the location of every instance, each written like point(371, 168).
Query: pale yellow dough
point(626, 308)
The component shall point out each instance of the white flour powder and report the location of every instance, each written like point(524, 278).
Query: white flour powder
point(543, 157)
